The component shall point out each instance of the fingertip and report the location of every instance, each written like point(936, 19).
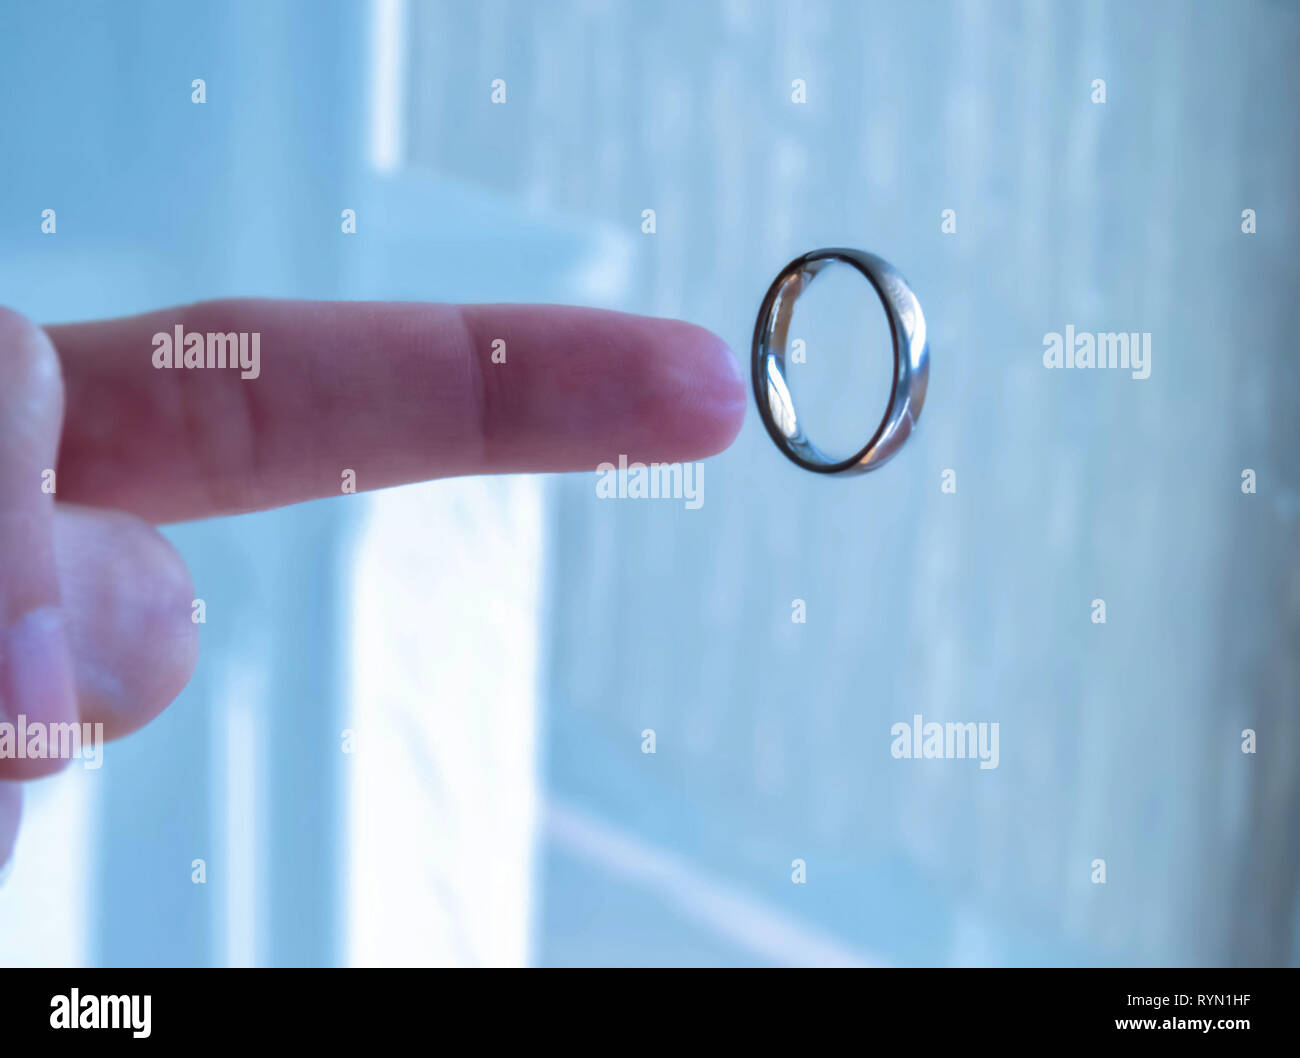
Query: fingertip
point(36, 692)
point(675, 391)
point(718, 410)
point(167, 615)
point(32, 372)
point(135, 642)
point(580, 387)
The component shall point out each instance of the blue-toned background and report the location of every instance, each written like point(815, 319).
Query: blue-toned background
point(495, 648)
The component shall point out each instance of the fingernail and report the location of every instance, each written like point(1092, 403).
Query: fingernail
point(36, 668)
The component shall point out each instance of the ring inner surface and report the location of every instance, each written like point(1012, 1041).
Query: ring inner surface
point(833, 359)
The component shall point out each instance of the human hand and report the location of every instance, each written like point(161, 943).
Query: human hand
point(95, 605)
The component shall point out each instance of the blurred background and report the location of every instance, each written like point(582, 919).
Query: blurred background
point(416, 731)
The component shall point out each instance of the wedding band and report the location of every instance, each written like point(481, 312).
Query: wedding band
point(911, 362)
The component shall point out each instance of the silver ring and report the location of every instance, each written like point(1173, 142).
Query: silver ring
point(911, 362)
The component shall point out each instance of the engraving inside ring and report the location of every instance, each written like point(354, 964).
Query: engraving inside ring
point(831, 357)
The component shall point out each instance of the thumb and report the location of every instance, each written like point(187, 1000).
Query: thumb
point(35, 662)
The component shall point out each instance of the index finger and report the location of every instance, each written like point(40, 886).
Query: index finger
point(394, 391)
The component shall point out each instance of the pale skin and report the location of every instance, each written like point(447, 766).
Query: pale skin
point(95, 605)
